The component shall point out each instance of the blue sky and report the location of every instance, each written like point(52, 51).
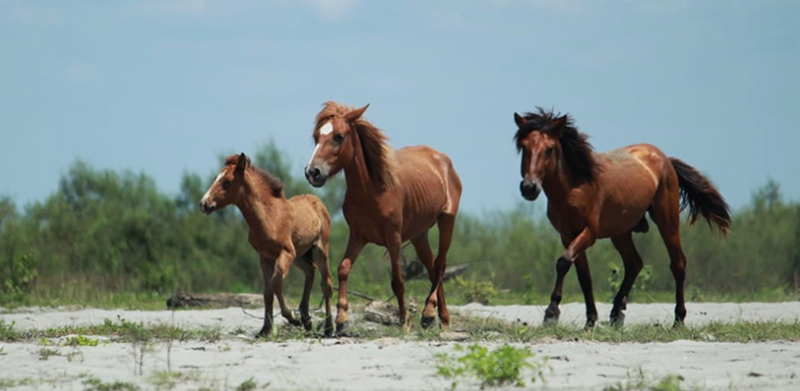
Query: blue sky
point(164, 87)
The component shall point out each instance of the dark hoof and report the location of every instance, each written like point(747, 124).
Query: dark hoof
point(550, 319)
point(344, 329)
point(264, 334)
point(617, 321)
point(678, 324)
point(589, 324)
point(427, 322)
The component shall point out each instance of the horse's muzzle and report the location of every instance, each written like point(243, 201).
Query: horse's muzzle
point(207, 208)
point(529, 189)
point(315, 177)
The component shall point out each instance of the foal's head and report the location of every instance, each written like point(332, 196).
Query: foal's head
point(549, 142)
point(334, 136)
point(227, 187)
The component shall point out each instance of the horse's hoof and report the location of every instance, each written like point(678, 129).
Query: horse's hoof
point(263, 334)
point(344, 329)
point(589, 325)
point(550, 320)
point(678, 324)
point(427, 322)
point(617, 321)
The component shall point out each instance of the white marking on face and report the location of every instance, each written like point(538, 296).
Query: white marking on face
point(208, 193)
point(312, 156)
point(326, 129)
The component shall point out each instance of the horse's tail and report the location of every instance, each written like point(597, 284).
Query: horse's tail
point(700, 196)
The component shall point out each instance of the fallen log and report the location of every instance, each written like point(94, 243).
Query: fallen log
point(215, 300)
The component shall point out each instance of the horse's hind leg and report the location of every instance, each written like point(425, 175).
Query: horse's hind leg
point(281, 270)
point(306, 264)
point(666, 214)
point(425, 255)
point(393, 246)
point(447, 224)
point(319, 255)
point(633, 264)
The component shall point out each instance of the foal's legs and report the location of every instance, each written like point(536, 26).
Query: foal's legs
point(281, 270)
point(319, 254)
point(306, 264)
point(267, 267)
point(666, 214)
point(576, 248)
point(633, 264)
point(354, 247)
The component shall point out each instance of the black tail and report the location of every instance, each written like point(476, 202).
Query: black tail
point(700, 196)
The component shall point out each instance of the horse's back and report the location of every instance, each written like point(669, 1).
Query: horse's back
point(430, 185)
point(629, 179)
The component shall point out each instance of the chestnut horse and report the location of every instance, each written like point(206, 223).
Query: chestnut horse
point(283, 232)
point(605, 195)
point(391, 197)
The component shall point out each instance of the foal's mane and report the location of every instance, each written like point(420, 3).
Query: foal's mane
point(378, 155)
point(575, 147)
point(270, 181)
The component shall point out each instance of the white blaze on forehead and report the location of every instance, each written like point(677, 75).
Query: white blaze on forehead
point(326, 129)
point(208, 193)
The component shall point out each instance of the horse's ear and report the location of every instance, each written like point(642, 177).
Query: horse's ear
point(559, 123)
point(355, 114)
point(518, 119)
point(243, 162)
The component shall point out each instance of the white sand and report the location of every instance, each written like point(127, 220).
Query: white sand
point(395, 364)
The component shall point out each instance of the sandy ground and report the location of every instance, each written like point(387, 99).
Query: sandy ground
point(391, 363)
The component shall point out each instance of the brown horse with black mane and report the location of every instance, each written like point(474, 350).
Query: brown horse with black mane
point(605, 195)
point(283, 232)
point(391, 197)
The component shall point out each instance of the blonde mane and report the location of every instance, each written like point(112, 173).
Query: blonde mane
point(378, 155)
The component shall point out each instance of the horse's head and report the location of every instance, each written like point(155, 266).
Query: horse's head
point(538, 140)
point(334, 137)
point(227, 187)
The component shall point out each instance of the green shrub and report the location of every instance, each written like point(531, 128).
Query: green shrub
point(499, 367)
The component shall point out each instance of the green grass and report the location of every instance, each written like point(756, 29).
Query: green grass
point(474, 329)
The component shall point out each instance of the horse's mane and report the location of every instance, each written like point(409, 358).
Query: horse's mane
point(575, 146)
point(378, 155)
point(270, 181)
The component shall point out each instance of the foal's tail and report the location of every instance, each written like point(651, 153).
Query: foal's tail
point(701, 197)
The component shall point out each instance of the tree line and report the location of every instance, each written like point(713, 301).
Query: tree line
point(115, 231)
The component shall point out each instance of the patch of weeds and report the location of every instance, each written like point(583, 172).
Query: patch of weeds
point(7, 333)
point(45, 353)
point(75, 355)
point(166, 380)
point(475, 291)
point(80, 340)
point(640, 383)
point(502, 366)
point(247, 385)
point(95, 384)
point(12, 383)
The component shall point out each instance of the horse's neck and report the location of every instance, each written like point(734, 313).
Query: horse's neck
point(557, 186)
point(359, 183)
point(255, 205)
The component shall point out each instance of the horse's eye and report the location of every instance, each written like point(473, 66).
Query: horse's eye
point(338, 137)
point(549, 152)
point(226, 184)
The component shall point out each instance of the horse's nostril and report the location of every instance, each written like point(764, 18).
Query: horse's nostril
point(315, 173)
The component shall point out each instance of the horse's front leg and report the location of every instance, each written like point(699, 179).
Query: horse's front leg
point(576, 247)
point(354, 247)
point(267, 268)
